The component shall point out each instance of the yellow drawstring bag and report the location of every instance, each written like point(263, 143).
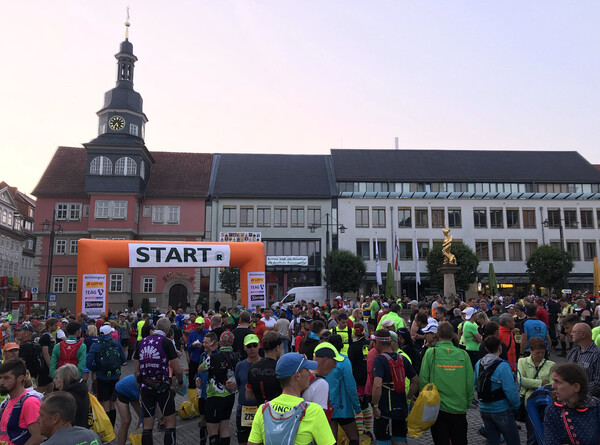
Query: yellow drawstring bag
point(425, 411)
point(100, 422)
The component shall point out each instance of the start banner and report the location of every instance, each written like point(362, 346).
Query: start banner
point(178, 255)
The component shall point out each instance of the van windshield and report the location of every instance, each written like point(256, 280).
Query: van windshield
point(289, 298)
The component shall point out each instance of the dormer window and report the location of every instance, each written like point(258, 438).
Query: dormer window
point(133, 129)
point(125, 167)
point(143, 170)
point(101, 165)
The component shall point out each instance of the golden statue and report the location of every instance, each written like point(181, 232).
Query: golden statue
point(449, 258)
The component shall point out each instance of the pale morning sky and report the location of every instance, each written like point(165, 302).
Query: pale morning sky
point(278, 76)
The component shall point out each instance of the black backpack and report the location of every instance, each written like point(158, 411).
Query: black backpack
point(484, 384)
point(35, 363)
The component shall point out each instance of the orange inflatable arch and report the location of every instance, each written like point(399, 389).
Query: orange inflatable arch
point(95, 257)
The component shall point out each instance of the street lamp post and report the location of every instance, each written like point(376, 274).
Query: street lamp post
point(338, 226)
point(547, 223)
point(53, 231)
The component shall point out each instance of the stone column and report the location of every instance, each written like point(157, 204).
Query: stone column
point(449, 285)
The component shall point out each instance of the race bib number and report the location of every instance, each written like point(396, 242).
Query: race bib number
point(248, 413)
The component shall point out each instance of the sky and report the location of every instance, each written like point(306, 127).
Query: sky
point(280, 76)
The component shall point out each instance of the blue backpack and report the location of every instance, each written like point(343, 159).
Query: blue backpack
point(282, 428)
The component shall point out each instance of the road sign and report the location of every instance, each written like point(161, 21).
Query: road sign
point(34, 290)
point(567, 291)
point(52, 298)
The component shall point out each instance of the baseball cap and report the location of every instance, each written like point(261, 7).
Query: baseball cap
point(413, 302)
point(394, 336)
point(327, 350)
point(388, 323)
point(64, 320)
point(292, 362)
point(10, 346)
point(510, 306)
point(306, 319)
point(338, 298)
point(106, 329)
point(24, 327)
point(226, 338)
point(431, 328)
point(468, 313)
point(334, 311)
point(250, 339)
point(385, 304)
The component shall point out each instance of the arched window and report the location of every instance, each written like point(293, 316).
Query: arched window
point(101, 165)
point(126, 167)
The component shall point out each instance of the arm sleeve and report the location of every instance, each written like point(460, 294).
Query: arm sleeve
point(509, 386)
point(552, 427)
point(594, 378)
point(424, 378)
point(257, 433)
point(90, 361)
point(81, 356)
point(191, 339)
point(350, 384)
point(321, 436)
point(169, 349)
point(527, 382)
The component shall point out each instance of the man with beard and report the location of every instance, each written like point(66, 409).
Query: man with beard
point(20, 409)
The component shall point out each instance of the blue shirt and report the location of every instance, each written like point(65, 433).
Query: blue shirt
point(504, 378)
point(534, 328)
point(92, 360)
point(195, 352)
point(584, 424)
point(128, 387)
point(241, 378)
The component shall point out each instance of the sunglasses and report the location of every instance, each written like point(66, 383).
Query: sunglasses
point(252, 345)
point(301, 363)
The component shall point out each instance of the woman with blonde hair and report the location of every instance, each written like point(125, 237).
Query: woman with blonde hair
point(357, 317)
point(67, 379)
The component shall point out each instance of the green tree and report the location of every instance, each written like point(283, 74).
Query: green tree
point(229, 277)
point(466, 260)
point(344, 271)
point(546, 264)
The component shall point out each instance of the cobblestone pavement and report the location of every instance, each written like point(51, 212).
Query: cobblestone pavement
point(188, 431)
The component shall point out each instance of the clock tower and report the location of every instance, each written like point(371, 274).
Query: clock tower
point(118, 160)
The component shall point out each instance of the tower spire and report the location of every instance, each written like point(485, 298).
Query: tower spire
point(127, 25)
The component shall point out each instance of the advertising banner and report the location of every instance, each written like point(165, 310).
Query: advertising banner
point(287, 261)
point(178, 255)
point(94, 294)
point(256, 289)
point(239, 237)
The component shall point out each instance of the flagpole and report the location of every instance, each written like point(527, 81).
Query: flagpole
point(417, 269)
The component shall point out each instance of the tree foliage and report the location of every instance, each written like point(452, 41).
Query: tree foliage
point(229, 277)
point(344, 271)
point(545, 266)
point(466, 260)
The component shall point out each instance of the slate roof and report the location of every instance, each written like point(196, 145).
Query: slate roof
point(462, 166)
point(175, 175)
point(272, 176)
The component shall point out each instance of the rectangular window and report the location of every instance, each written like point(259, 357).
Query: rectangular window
point(120, 210)
point(62, 211)
point(378, 218)
point(71, 285)
point(173, 215)
point(574, 250)
point(423, 247)
point(280, 217)
point(73, 247)
point(116, 282)
point(314, 217)
point(263, 217)
point(158, 214)
point(110, 209)
point(512, 219)
point(421, 219)
point(361, 216)
point(74, 212)
point(482, 250)
point(60, 246)
point(498, 251)
point(589, 250)
point(515, 252)
point(229, 216)
point(148, 285)
point(405, 250)
point(587, 219)
point(404, 217)
point(570, 219)
point(554, 219)
point(598, 217)
point(382, 246)
point(454, 218)
point(146, 211)
point(480, 218)
point(58, 284)
point(246, 216)
point(528, 219)
point(297, 217)
point(437, 218)
point(362, 249)
point(496, 219)
point(133, 129)
point(86, 210)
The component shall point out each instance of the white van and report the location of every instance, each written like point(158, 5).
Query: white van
point(306, 293)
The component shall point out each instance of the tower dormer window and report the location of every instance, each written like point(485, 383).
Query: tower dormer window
point(133, 129)
point(126, 167)
point(101, 165)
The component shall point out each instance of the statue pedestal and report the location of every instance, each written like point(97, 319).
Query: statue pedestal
point(449, 285)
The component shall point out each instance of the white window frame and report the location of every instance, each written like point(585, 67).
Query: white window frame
point(112, 210)
point(133, 129)
point(146, 211)
point(158, 214)
point(58, 284)
point(71, 285)
point(148, 285)
point(101, 165)
point(116, 282)
point(125, 166)
point(60, 247)
point(73, 247)
point(173, 214)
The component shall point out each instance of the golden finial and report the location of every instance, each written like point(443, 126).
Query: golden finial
point(127, 25)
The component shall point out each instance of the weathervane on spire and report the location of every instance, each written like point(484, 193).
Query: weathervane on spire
point(127, 25)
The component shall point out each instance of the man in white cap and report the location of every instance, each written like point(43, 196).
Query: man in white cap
point(471, 335)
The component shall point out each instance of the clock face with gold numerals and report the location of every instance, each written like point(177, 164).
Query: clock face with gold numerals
point(116, 123)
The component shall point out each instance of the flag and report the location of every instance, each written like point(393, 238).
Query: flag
point(396, 254)
point(377, 265)
point(416, 249)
